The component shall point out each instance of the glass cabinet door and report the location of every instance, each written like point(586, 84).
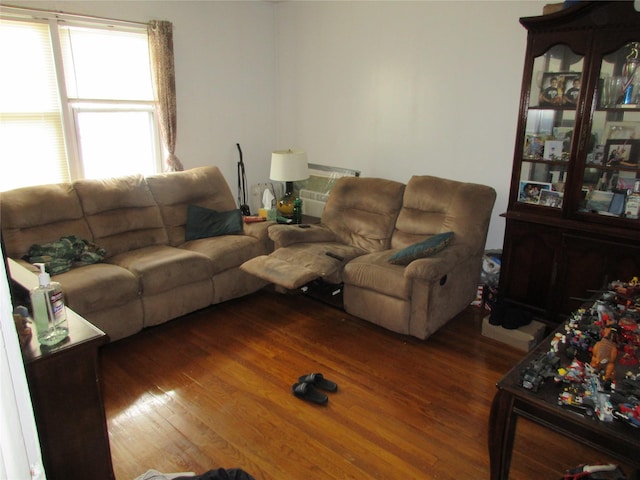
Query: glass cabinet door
point(611, 181)
point(550, 121)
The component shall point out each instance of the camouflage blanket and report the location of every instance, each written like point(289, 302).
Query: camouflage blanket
point(64, 254)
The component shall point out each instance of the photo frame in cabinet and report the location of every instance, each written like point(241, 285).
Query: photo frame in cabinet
point(559, 88)
point(621, 131)
point(533, 146)
point(599, 201)
point(563, 133)
point(550, 198)
point(626, 180)
point(553, 150)
point(598, 155)
point(529, 192)
point(622, 153)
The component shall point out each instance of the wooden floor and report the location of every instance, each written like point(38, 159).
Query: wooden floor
point(213, 389)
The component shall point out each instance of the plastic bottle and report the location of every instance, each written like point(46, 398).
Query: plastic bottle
point(49, 312)
point(632, 207)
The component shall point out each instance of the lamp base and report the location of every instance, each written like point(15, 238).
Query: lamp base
point(285, 205)
point(289, 208)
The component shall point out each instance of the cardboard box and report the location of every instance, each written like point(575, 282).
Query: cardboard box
point(523, 338)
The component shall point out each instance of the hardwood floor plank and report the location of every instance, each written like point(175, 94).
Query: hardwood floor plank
point(213, 389)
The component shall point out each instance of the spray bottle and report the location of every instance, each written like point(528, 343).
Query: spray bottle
point(49, 312)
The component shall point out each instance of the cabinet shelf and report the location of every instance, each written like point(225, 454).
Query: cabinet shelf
point(553, 108)
point(613, 168)
point(621, 109)
point(544, 161)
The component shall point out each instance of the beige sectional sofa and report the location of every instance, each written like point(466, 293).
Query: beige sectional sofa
point(150, 273)
point(365, 223)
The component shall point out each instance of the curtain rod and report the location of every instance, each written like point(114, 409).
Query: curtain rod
point(49, 14)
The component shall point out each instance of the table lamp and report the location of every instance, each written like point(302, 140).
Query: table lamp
point(288, 166)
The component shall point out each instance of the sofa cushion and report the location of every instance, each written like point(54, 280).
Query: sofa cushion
point(433, 205)
point(423, 249)
point(362, 211)
point(204, 223)
point(160, 268)
point(121, 213)
point(227, 251)
point(175, 191)
point(94, 287)
point(40, 214)
point(374, 272)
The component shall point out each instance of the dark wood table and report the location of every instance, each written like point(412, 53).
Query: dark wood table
point(64, 385)
point(512, 401)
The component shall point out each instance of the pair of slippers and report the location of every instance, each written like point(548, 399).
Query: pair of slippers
point(307, 388)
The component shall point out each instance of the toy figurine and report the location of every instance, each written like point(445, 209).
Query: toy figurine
point(628, 413)
point(604, 355)
point(558, 339)
point(539, 370)
point(595, 472)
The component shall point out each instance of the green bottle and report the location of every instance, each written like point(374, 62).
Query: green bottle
point(297, 211)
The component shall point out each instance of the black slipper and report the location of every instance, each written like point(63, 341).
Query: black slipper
point(317, 380)
point(305, 391)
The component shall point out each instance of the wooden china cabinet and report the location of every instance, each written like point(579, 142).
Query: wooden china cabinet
point(572, 222)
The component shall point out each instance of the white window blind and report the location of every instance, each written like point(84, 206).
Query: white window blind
point(77, 102)
point(32, 148)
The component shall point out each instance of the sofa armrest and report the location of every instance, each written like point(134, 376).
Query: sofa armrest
point(433, 268)
point(257, 230)
point(285, 235)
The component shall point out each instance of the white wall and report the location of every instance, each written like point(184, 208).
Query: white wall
point(401, 88)
point(390, 88)
point(20, 456)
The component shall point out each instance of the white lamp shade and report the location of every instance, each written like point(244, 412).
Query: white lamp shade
point(289, 166)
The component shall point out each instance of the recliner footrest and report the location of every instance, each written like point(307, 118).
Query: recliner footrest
point(278, 271)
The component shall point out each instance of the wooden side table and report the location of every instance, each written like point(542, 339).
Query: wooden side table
point(64, 384)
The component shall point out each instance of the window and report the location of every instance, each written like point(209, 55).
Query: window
point(31, 133)
point(75, 102)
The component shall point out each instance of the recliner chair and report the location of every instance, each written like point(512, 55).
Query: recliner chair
point(364, 223)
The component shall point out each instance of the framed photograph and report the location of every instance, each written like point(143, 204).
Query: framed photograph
point(599, 201)
point(563, 133)
point(533, 146)
point(553, 150)
point(550, 198)
point(598, 155)
point(617, 204)
point(621, 131)
point(559, 88)
point(626, 180)
point(622, 152)
point(529, 192)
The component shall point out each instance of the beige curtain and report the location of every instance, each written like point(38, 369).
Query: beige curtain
point(164, 81)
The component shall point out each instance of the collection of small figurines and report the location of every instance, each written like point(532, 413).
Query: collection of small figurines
point(597, 341)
